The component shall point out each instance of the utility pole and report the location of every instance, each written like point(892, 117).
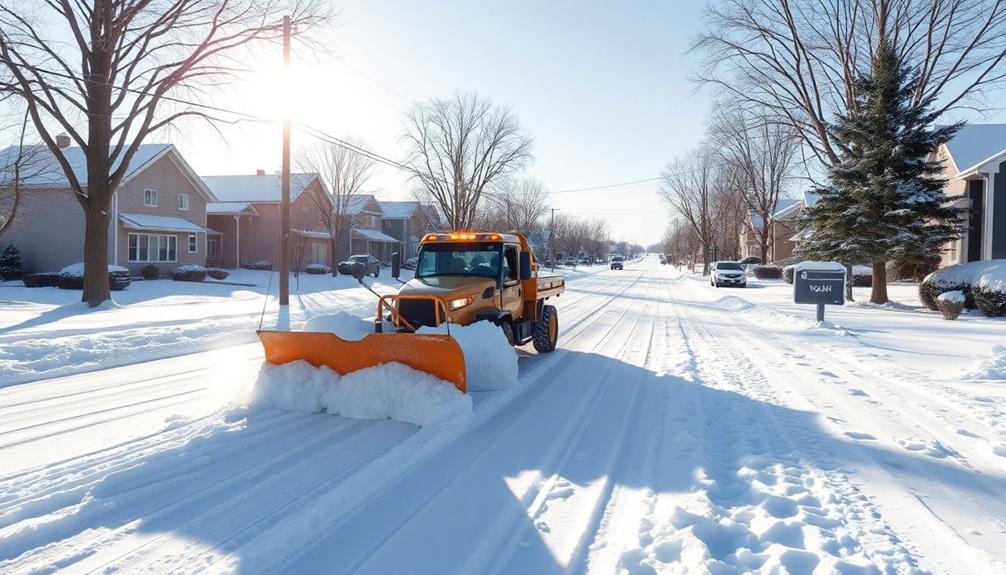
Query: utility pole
point(284, 204)
point(551, 238)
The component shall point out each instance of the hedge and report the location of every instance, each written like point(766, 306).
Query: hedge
point(217, 273)
point(189, 273)
point(47, 279)
point(151, 272)
point(767, 272)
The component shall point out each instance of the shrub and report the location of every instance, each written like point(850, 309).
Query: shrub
point(862, 276)
point(262, 265)
point(950, 304)
point(10, 264)
point(316, 269)
point(787, 273)
point(217, 273)
point(767, 272)
point(72, 277)
point(47, 279)
point(189, 273)
point(989, 290)
point(151, 272)
point(957, 277)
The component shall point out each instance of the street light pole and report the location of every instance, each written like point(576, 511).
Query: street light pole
point(284, 205)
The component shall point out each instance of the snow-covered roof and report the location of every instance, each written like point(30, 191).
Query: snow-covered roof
point(809, 198)
point(158, 223)
point(399, 210)
point(974, 144)
point(783, 208)
point(358, 203)
point(313, 234)
point(374, 235)
point(231, 208)
point(257, 188)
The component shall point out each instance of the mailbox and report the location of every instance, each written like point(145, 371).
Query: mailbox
point(820, 284)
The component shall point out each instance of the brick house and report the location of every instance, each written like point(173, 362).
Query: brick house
point(158, 212)
point(784, 224)
point(246, 221)
point(975, 165)
point(408, 222)
point(365, 214)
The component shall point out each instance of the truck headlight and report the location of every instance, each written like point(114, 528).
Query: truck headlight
point(459, 303)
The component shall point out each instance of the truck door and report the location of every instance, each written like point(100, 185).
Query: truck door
point(511, 296)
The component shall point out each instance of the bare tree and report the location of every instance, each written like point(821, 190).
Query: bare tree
point(762, 156)
point(112, 65)
point(519, 205)
point(796, 61)
point(346, 173)
point(689, 187)
point(18, 164)
point(459, 147)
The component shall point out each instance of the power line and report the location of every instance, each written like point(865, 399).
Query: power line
point(607, 186)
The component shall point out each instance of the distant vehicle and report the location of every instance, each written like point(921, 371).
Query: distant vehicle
point(410, 264)
point(727, 274)
point(584, 261)
point(569, 262)
point(663, 259)
point(616, 262)
point(372, 264)
point(668, 259)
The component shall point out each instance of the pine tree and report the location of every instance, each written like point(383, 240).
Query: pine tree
point(10, 263)
point(884, 200)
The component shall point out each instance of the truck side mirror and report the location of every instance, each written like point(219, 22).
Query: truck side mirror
point(396, 265)
point(359, 270)
point(525, 266)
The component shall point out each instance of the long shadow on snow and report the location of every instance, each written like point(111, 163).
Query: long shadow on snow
point(265, 470)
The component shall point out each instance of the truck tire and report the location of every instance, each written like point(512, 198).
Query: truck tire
point(546, 330)
point(507, 328)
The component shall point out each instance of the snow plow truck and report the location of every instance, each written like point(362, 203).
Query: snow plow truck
point(460, 278)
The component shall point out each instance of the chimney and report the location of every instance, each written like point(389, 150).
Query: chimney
point(259, 172)
point(63, 140)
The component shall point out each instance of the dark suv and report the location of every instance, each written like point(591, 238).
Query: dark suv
point(373, 265)
point(616, 262)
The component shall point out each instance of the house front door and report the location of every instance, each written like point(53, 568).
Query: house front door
point(214, 249)
point(976, 218)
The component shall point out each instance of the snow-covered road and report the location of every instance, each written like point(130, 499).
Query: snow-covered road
point(668, 434)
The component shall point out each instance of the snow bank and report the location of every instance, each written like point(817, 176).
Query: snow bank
point(387, 391)
point(345, 325)
point(490, 361)
point(991, 367)
point(955, 296)
point(77, 270)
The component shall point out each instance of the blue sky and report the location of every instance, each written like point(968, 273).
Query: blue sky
point(602, 87)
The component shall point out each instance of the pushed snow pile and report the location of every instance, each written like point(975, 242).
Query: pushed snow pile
point(490, 361)
point(387, 391)
point(955, 296)
point(345, 325)
point(991, 367)
point(396, 391)
point(77, 270)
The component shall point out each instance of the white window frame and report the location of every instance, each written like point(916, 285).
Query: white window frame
point(152, 194)
point(193, 244)
point(153, 246)
point(183, 202)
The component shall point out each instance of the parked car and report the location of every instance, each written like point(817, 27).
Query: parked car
point(584, 261)
point(616, 262)
point(568, 262)
point(727, 274)
point(373, 265)
point(410, 264)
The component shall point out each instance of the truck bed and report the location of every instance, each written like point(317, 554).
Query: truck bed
point(550, 285)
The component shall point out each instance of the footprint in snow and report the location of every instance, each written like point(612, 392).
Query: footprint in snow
point(967, 433)
point(860, 436)
point(930, 448)
point(858, 392)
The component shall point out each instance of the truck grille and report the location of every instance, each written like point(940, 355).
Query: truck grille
point(418, 312)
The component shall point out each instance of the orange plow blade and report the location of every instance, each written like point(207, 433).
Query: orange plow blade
point(438, 355)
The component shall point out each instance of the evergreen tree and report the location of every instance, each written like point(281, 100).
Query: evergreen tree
point(884, 200)
point(10, 263)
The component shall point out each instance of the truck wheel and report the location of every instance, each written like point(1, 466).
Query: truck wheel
point(546, 330)
point(507, 328)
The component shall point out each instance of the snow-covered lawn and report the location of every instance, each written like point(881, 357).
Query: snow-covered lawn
point(677, 429)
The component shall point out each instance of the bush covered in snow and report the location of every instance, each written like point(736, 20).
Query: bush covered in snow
point(150, 272)
point(958, 277)
point(72, 277)
point(989, 289)
point(189, 273)
point(787, 273)
point(261, 265)
point(767, 272)
point(10, 264)
point(316, 269)
point(47, 279)
point(217, 273)
point(951, 304)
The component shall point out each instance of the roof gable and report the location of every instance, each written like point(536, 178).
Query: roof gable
point(266, 188)
point(399, 210)
point(973, 144)
point(46, 171)
point(363, 203)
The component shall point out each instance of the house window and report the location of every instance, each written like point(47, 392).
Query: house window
point(150, 198)
point(193, 246)
point(153, 248)
point(183, 202)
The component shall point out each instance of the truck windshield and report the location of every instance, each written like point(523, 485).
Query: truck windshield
point(459, 259)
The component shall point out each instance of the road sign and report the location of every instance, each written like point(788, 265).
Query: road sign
point(819, 285)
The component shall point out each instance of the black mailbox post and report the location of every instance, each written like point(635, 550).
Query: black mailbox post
point(820, 286)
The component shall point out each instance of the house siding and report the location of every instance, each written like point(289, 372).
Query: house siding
point(168, 179)
point(955, 251)
point(48, 230)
